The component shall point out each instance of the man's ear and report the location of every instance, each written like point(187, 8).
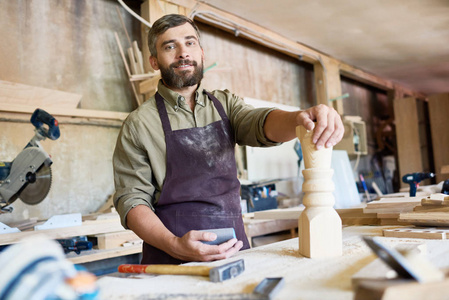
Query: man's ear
point(153, 63)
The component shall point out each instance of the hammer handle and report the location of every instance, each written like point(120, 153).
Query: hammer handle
point(165, 269)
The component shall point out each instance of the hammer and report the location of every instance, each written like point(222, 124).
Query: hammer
point(216, 274)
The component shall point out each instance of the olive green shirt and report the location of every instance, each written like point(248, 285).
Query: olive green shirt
point(139, 159)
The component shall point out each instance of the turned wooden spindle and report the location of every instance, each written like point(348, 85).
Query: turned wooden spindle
point(319, 225)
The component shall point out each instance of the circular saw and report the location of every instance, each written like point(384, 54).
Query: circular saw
point(28, 176)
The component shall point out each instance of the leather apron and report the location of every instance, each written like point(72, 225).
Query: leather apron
point(201, 189)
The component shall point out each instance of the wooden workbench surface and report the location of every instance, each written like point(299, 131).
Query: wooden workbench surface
point(305, 278)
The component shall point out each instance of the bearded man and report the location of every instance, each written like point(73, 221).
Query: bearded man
point(174, 165)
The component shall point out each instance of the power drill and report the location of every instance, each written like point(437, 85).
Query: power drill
point(414, 179)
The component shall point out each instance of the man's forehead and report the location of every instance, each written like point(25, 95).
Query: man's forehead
point(181, 32)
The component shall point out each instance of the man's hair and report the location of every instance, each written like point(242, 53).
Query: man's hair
point(165, 23)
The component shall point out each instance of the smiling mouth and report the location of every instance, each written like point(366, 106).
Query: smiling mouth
point(184, 64)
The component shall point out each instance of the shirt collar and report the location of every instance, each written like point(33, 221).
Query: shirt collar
point(175, 99)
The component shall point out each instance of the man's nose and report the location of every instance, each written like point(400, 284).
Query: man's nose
point(182, 52)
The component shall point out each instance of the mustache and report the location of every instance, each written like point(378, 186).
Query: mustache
point(184, 62)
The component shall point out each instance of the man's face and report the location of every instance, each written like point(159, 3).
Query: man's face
point(179, 57)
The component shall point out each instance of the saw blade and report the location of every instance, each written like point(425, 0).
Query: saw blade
point(37, 187)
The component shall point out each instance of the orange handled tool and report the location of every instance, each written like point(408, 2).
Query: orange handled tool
point(216, 274)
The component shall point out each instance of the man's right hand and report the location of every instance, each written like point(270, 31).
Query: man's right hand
point(144, 222)
point(191, 248)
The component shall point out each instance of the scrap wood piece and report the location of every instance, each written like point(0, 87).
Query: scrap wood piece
point(115, 239)
point(418, 233)
point(356, 216)
point(21, 94)
point(431, 208)
point(436, 199)
point(425, 218)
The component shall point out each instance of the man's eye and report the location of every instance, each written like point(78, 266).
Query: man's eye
point(169, 47)
point(191, 43)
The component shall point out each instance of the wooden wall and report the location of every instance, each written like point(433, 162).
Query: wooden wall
point(68, 46)
point(251, 70)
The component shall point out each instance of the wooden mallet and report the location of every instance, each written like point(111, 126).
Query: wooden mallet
point(216, 274)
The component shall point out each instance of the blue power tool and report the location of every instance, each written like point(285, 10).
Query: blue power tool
point(414, 179)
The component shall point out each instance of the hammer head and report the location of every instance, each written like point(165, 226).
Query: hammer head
point(227, 271)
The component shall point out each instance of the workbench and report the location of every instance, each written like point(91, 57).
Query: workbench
point(305, 278)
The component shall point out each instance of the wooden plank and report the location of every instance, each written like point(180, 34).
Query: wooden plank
point(439, 122)
point(431, 208)
point(425, 218)
point(95, 255)
point(138, 58)
point(81, 113)
point(86, 228)
point(115, 239)
point(145, 14)
point(12, 93)
point(417, 233)
point(407, 135)
point(349, 216)
point(291, 213)
point(392, 205)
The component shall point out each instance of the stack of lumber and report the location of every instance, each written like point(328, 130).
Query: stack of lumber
point(432, 211)
point(388, 210)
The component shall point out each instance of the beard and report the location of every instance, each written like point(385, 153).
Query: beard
point(171, 79)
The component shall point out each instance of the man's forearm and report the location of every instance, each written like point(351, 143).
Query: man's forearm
point(280, 125)
point(144, 222)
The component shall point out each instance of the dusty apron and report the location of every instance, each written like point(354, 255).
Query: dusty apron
point(201, 189)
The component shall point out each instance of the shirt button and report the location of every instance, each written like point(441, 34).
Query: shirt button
point(176, 107)
point(182, 99)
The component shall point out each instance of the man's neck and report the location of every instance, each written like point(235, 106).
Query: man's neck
point(188, 93)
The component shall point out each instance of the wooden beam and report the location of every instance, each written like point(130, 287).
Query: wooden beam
point(438, 116)
point(328, 83)
point(78, 113)
point(407, 137)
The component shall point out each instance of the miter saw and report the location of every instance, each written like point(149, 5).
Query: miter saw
point(28, 176)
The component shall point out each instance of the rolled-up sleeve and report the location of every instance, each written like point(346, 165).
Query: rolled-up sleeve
point(132, 174)
point(248, 122)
